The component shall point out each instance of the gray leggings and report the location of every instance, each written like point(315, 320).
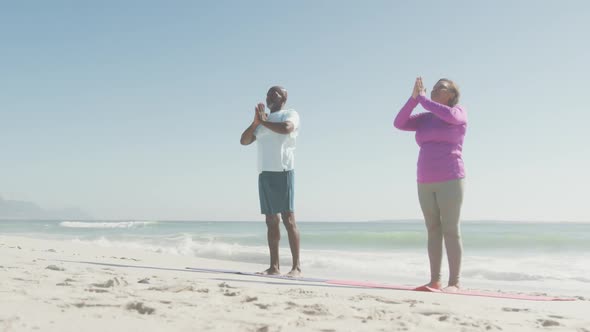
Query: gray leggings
point(441, 206)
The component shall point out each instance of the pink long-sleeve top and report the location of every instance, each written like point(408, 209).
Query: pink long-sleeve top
point(439, 133)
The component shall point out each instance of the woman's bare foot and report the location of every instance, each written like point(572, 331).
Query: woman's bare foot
point(270, 271)
point(295, 272)
point(451, 288)
point(430, 285)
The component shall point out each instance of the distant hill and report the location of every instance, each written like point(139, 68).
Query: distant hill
point(10, 209)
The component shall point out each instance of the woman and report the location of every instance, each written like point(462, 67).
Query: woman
point(439, 133)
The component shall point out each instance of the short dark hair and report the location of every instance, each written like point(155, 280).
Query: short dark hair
point(281, 91)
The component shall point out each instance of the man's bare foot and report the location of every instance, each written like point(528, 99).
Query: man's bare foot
point(270, 271)
point(451, 289)
point(296, 272)
point(430, 285)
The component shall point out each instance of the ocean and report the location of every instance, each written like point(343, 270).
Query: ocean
point(541, 257)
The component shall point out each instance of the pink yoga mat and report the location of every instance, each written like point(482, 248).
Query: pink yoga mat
point(459, 292)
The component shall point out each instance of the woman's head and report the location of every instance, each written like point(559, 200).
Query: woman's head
point(445, 92)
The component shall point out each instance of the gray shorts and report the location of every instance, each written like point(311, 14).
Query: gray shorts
point(276, 191)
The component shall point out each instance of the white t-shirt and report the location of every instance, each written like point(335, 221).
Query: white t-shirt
point(276, 152)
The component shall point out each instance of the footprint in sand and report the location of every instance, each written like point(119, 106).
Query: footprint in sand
point(94, 290)
point(548, 322)
point(263, 329)
point(430, 313)
point(86, 305)
point(55, 268)
point(468, 322)
point(480, 324)
point(300, 293)
point(515, 310)
point(315, 310)
point(224, 285)
point(140, 307)
point(225, 289)
point(26, 280)
point(413, 301)
point(363, 297)
point(250, 299)
point(102, 287)
point(176, 289)
point(491, 326)
point(377, 314)
point(125, 258)
point(108, 284)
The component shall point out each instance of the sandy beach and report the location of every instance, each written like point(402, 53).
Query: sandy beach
point(45, 287)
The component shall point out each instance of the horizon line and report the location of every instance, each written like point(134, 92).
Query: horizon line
point(300, 221)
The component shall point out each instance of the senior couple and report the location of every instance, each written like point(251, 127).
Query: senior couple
point(440, 132)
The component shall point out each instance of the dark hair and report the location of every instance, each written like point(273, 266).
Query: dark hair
point(455, 89)
point(281, 92)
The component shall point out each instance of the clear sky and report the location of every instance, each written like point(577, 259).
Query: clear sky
point(134, 109)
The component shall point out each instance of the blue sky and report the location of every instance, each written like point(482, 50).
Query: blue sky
point(133, 110)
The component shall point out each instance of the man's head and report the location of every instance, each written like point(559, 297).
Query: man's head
point(276, 98)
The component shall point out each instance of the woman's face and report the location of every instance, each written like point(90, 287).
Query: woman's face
point(442, 92)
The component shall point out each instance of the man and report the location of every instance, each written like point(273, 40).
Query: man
point(276, 134)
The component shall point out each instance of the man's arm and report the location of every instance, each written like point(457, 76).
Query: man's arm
point(279, 127)
point(248, 135)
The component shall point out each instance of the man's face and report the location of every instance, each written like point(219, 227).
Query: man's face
point(274, 98)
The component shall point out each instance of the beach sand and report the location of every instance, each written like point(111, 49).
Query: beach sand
point(41, 292)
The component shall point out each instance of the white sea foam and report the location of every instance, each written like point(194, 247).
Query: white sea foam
point(110, 224)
